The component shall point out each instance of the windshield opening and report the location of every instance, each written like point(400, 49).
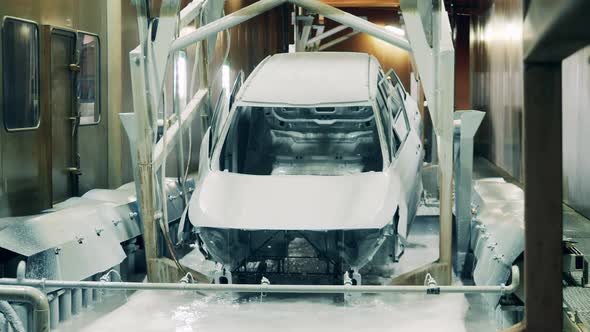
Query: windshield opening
point(302, 141)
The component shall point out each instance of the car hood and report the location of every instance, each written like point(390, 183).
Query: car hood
point(294, 202)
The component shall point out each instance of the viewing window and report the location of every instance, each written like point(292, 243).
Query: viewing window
point(20, 74)
point(88, 89)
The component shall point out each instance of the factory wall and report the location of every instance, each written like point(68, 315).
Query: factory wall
point(26, 154)
point(576, 121)
point(254, 40)
point(497, 83)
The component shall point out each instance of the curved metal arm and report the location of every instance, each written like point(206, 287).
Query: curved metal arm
point(36, 298)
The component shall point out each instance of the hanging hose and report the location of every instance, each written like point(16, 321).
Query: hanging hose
point(11, 316)
point(163, 204)
point(160, 182)
point(192, 91)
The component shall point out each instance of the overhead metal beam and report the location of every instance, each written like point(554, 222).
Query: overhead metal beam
point(326, 34)
point(190, 12)
point(363, 3)
point(555, 29)
point(176, 128)
point(316, 6)
point(354, 22)
point(338, 40)
point(225, 23)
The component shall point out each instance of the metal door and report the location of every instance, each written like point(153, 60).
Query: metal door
point(63, 120)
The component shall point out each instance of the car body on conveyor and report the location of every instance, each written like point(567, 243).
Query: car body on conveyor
point(322, 148)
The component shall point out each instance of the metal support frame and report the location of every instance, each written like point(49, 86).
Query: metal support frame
point(552, 31)
point(436, 65)
point(429, 32)
point(148, 64)
point(307, 23)
point(314, 43)
point(326, 34)
point(268, 288)
point(466, 125)
point(338, 40)
point(29, 295)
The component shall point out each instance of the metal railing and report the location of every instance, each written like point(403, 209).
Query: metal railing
point(268, 288)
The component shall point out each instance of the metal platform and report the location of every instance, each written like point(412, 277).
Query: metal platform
point(577, 299)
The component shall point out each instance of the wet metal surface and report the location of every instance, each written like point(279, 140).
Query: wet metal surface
point(150, 311)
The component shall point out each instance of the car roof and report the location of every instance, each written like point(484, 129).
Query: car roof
point(312, 78)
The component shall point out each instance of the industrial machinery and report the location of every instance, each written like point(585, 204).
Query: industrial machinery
point(333, 168)
point(315, 147)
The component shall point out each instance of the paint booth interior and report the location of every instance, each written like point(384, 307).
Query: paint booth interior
point(315, 165)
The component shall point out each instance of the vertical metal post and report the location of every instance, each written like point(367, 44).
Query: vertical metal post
point(444, 67)
point(469, 123)
point(65, 305)
point(543, 196)
point(145, 181)
point(54, 311)
point(76, 301)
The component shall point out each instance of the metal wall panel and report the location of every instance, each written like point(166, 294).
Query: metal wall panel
point(576, 136)
point(497, 83)
point(25, 187)
point(63, 48)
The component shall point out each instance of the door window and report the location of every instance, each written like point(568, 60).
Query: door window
point(88, 83)
point(385, 116)
point(20, 78)
point(395, 105)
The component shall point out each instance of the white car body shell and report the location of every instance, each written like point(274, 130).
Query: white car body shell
point(309, 202)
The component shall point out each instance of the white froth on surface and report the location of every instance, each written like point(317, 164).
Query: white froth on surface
point(150, 311)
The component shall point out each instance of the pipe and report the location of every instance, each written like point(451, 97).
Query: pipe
point(190, 12)
point(7, 312)
point(36, 298)
point(225, 23)
point(262, 6)
point(338, 40)
point(326, 34)
point(326, 289)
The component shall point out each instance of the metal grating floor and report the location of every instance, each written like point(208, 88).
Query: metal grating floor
point(578, 300)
